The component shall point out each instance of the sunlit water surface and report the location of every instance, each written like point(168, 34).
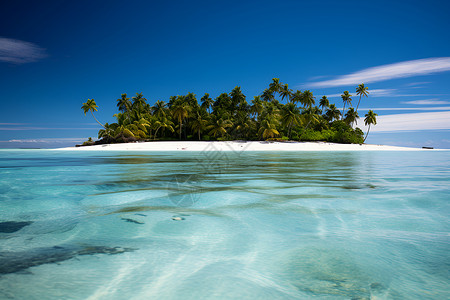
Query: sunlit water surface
point(136, 225)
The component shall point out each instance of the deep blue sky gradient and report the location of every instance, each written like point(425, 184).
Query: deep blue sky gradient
point(100, 49)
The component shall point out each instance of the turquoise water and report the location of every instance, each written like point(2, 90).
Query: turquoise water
point(136, 225)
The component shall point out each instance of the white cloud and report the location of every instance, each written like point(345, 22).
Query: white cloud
point(410, 122)
point(41, 128)
point(434, 101)
point(46, 140)
point(417, 84)
point(375, 109)
point(385, 72)
point(13, 124)
point(24, 128)
point(20, 52)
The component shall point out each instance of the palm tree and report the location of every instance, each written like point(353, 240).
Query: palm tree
point(138, 104)
point(311, 114)
point(257, 106)
point(124, 105)
point(371, 118)
point(243, 106)
point(120, 118)
point(275, 85)
point(151, 120)
point(267, 95)
point(172, 101)
point(242, 124)
point(159, 109)
point(91, 106)
point(191, 100)
point(297, 97)
point(219, 127)
point(351, 116)
point(347, 100)
point(164, 123)
point(207, 102)
point(270, 110)
point(237, 97)
point(307, 99)
point(222, 102)
point(290, 115)
point(108, 131)
point(199, 123)
point(332, 113)
point(285, 92)
point(141, 127)
point(324, 102)
point(268, 128)
point(361, 90)
point(181, 111)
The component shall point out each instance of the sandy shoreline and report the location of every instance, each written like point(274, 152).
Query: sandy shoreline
point(240, 146)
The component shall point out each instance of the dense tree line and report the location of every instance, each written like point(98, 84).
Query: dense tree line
point(278, 113)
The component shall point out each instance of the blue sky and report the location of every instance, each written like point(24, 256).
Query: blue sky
point(54, 55)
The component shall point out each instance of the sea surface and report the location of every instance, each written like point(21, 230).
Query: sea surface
point(224, 225)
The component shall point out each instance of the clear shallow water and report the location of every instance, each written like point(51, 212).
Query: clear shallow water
point(325, 225)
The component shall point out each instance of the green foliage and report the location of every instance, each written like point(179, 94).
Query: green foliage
point(89, 142)
point(311, 135)
point(345, 134)
point(347, 138)
point(278, 113)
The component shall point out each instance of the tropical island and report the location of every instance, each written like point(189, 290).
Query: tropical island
point(278, 114)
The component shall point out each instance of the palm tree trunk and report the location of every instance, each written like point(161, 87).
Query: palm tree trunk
point(154, 137)
point(128, 113)
point(305, 129)
point(199, 134)
point(307, 124)
point(367, 133)
point(97, 120)
point(358, 103)
point(179, 131)
point(343, 109)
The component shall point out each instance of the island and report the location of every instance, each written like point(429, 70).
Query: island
point(278, 114)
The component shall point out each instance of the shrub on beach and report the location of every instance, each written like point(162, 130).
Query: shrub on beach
point(345, 134)
point(310, 135)
point(89, 142)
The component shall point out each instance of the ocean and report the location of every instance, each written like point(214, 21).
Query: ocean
point(224, 225)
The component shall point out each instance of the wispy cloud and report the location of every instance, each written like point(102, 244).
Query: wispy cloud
point(46, 140)
point(417, 85)
point(410, 122)
point(13, 124)
point(375, 109)
point(391, 71)
point(434, 101)
point(20, 52)
point(319, 77)
point(42, 128)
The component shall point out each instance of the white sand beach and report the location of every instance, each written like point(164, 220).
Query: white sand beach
point(240, 146)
